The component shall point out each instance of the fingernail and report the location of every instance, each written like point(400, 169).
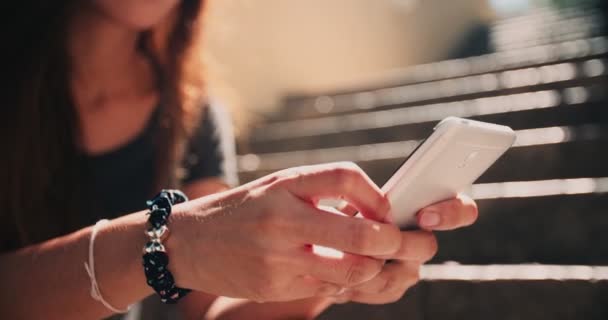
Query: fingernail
point(430, 219)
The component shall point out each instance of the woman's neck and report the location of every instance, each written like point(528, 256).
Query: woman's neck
point(105, 61)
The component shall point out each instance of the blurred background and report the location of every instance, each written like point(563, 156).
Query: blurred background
point(329, 80)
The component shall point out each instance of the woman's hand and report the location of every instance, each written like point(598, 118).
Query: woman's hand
point(254, 241)
point(416, 248)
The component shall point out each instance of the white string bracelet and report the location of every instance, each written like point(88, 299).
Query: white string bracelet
point(90, 268)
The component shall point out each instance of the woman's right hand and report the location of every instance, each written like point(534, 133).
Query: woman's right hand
point(255, 241)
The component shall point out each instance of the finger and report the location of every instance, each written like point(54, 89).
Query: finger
point(374, 298)
point(306, 287)
point(418, 246)
point(387, 291)
point(346, 271)
point(394, 277)
point(447, 215)
point(340, 180)
point(348, 234)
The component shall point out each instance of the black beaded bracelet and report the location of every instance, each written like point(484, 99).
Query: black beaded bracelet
point(155, 258)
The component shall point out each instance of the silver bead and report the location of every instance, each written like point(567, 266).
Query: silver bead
point(158, 233)
point(154, 246)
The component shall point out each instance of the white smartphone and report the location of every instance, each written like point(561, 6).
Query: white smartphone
point(445, 164)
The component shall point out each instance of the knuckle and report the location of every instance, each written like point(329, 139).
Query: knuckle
point(360, 236)
point(432, 245)
point(391, 283)
point(342, 176)
point(414, 245)
point(404, 250)
point(345, 176)
point(418, 246)
point(358, 272)
point(393, 239)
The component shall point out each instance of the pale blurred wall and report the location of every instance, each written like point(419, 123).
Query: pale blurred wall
point(260, 50)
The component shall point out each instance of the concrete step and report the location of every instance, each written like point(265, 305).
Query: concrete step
point(541, 153)
point(456, 77)
point(554, 229)
point(499, 300)
point(386, 126)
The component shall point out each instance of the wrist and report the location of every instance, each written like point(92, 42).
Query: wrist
point(192, 238)
point(178, 246)
point(121, 240)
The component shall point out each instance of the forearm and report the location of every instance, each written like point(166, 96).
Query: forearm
point(227, 308)
point(196, 304)
point(48, 280)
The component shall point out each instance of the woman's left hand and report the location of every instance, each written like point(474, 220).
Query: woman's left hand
point(417, 247)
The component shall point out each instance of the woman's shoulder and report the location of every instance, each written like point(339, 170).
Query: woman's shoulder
point(211, 149)
point(215, 117)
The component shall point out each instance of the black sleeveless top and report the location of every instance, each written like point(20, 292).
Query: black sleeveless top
point(120, 181)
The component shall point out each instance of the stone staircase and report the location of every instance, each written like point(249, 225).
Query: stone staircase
point(540, 246)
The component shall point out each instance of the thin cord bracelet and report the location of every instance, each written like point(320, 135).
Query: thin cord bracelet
point(155, 258)
point(90, 269)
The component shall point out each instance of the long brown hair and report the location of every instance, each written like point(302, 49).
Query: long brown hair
point(39, 168)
